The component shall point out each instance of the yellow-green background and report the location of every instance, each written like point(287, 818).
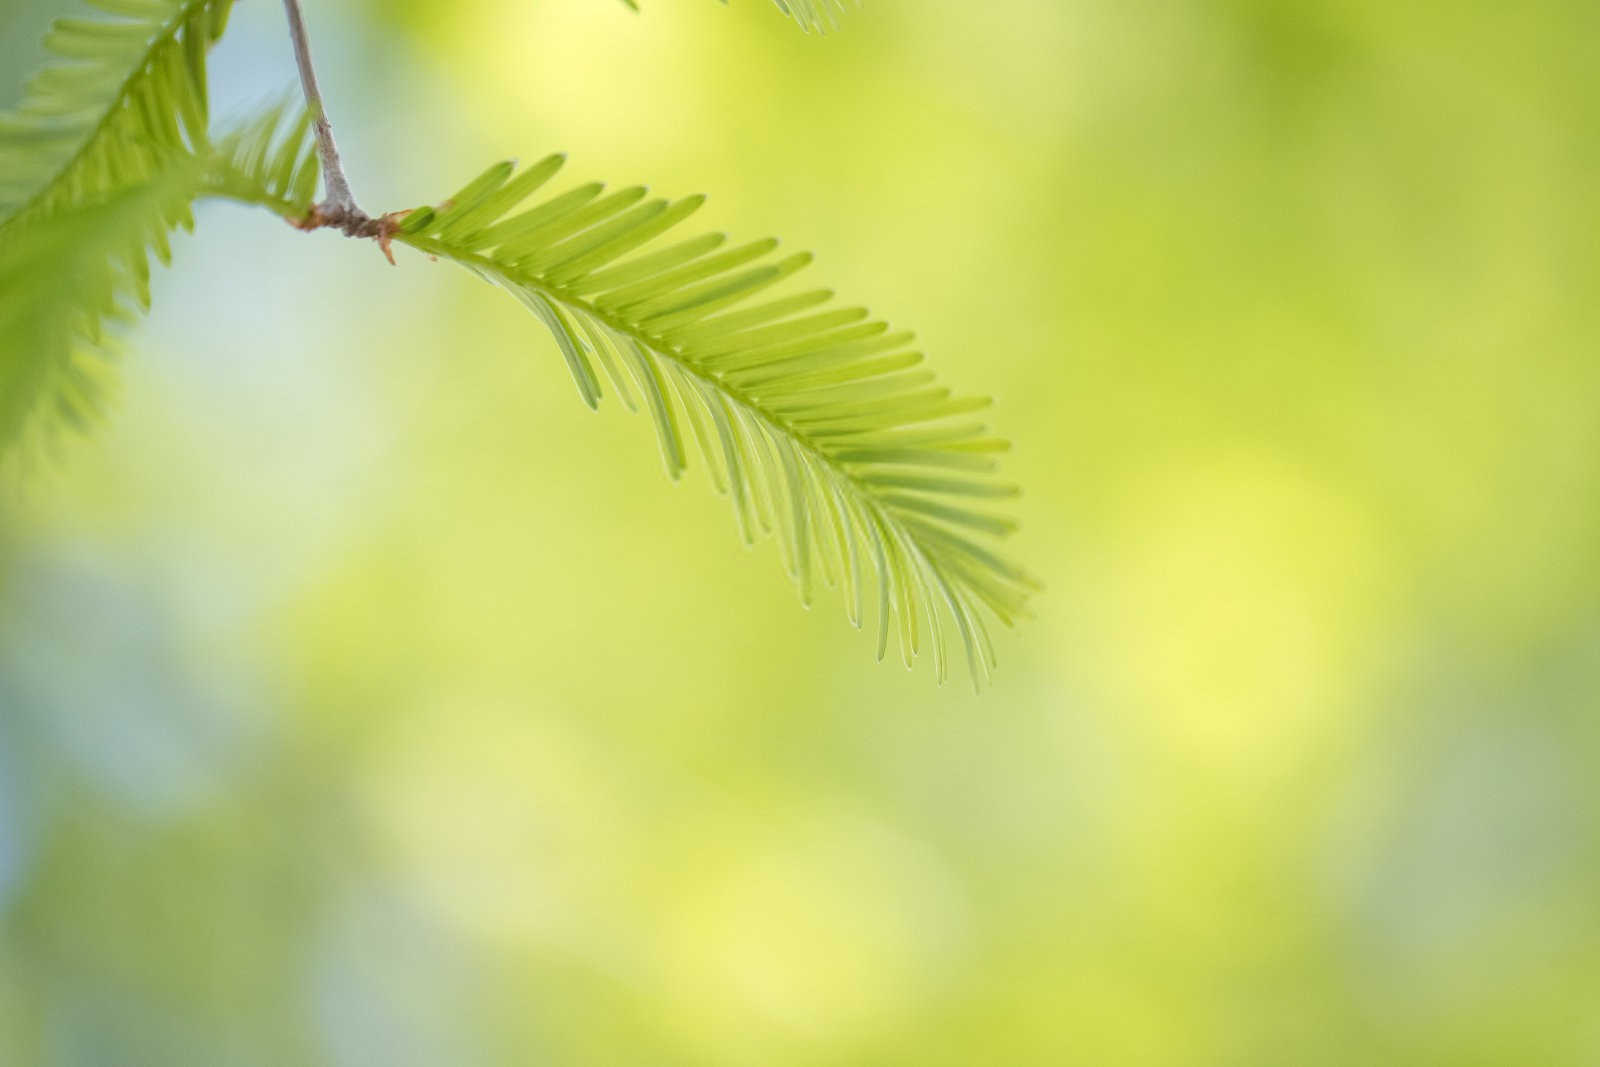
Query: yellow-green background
point(366, 700)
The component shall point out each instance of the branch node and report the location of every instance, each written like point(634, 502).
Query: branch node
point(353, 222)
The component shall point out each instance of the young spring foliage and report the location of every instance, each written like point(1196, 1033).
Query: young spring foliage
point(102, 157)
point(820, 423)
point(119, 98)
point(63, 275)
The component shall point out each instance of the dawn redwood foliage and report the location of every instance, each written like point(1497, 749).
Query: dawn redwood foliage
point(819, 422)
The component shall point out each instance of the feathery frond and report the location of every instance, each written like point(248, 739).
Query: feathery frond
point(114, 127)
point(62, 275)
point(819, 422)
point(269, 160)
point(819, 15)
point(121, 95)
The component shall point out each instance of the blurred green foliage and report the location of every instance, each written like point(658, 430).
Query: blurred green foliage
point(364, 699)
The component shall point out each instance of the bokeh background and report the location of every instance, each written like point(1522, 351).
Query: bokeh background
point(366, 700)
